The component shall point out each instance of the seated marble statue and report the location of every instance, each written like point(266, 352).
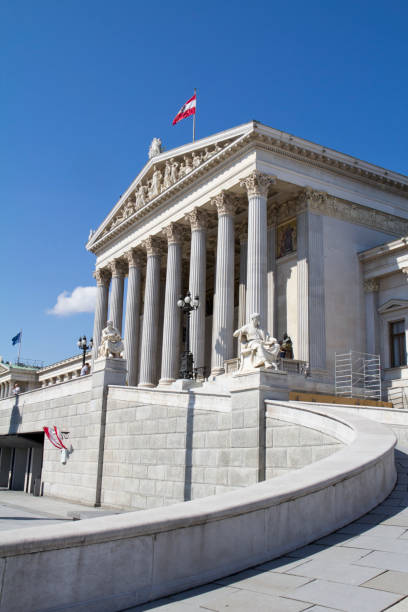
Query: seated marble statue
point(258, 348)
point(111, 342)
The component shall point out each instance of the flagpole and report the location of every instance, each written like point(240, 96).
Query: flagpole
point(19, 348)
point(194, 118)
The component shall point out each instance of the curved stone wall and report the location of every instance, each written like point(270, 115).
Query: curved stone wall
point(114, 562)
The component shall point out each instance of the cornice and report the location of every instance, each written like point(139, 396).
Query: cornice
point(389, 248)
point(127, 211)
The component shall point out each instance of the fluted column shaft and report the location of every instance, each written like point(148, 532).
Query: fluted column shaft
point(272, 283)
point(223, 317)
point(132, 316)
point(116, 298)
point(101, 307)
point(257, 185)
point(243, 255)
point(171, 323)
point(197, 286)
point(148, 375)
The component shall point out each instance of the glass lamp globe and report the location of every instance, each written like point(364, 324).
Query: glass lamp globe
point(180, 303)
point(187, 299)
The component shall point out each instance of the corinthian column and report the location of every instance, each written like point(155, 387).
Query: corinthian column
point(223, 317)
point(101, 308)
point(148, 357)
point(197, 285)
point(257, 185)
point(118, 269)
point(132, 316)
point(171, 322)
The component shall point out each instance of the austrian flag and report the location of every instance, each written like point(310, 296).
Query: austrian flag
point(189, 108)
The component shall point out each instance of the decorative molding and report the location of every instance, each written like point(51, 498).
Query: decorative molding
point(198, 219)
point(257, 183)
point(102, 276)
point(371, 285)
point(152, 246)
point(174, 233)
point(321, 203)
point(133, 258)
point(225, 203)
point(118, 268)
point(393, 305)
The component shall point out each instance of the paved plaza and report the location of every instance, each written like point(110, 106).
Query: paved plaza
point(360, 568)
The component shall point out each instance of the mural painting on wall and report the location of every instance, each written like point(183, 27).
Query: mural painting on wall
point(286, 238)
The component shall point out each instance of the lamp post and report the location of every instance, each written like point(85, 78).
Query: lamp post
point(187, 305)
point(82, 345)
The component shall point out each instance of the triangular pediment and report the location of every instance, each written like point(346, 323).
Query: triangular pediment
point(391, 305)
point(165, 174)
point(4, 368)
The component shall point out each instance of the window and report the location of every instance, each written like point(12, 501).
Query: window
point(397, 344)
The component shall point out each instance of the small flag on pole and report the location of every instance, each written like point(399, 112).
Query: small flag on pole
point(16, 339)
point(189, 108)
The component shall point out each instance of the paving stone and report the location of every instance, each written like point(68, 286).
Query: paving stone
point(398, 545)
point(345, 597)
point(386, 560)
point(396, 582)
point(307, 551)
point(243, 601)
point(381, 531)
point(272, 583)
point(401, 606)
point(337, 572)
point(281, 565)
point(334, 538)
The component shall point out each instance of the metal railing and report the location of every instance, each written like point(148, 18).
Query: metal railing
point(358, 375)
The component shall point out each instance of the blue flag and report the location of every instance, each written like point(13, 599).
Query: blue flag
point(16, 339)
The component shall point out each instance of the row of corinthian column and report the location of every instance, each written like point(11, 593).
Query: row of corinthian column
point(257, 279)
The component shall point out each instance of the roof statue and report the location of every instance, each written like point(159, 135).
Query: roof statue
point(155, 147)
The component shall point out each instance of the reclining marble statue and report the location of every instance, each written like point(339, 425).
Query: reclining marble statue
point(111, 342)
point(258, 348)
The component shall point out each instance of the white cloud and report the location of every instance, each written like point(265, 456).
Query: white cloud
point(82, 299)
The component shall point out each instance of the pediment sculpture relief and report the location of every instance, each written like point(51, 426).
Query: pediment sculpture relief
point(162, 176)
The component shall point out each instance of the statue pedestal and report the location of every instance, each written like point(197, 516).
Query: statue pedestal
point(109, 371)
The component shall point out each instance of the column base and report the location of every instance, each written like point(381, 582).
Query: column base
point(146, 385)
point(217, 371)
point(166, 381)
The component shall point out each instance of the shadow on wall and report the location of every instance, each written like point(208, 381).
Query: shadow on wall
point(15, 417)
point(189, 447)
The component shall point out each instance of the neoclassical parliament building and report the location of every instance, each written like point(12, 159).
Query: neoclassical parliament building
point(255, 220)
point(249, 220)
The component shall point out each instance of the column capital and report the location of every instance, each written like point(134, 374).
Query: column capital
point(257, 183)
point(118, 268)
point(371, 285)
point(152, 246)
point(316, 201)
point(225, 203)
point(133, 258)
point(198, 219)
point(102, 276)
point(173, 233)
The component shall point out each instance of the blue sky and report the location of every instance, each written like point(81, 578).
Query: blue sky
point(87, 84)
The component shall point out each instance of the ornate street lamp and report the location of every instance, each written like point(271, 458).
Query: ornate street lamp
point(187, 305)
point(82, 345)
